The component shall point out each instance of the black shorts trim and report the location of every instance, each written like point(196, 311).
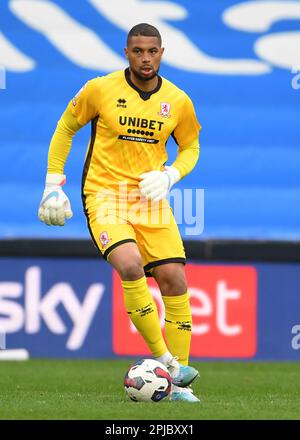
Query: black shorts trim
point(113, 246)
point(150, 266)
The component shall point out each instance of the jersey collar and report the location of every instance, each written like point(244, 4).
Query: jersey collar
point(144, 95)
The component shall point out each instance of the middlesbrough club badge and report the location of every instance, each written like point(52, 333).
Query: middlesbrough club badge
point(165, 109)
point(104, 239)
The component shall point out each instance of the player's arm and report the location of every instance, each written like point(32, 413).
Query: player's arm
point(61, 142)
point(155, 185)
point(187, 158)
point(55, 206)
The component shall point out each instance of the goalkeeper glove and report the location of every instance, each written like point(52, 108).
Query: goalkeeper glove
point(155, 185)
point(55, 206)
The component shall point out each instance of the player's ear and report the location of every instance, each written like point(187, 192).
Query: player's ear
point(162, 49)
point(126, 52)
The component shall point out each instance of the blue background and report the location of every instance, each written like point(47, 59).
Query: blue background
point(250, 156)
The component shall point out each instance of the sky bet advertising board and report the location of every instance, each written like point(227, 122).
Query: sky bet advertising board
point(74, 309)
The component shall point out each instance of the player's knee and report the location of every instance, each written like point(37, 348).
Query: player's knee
point(173, 286)
point(171, 281)
point(131, 270)
point(127, 261)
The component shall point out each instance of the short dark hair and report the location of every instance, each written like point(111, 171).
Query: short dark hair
point(144, 29)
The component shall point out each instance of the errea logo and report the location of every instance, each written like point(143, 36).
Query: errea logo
point(121, 103)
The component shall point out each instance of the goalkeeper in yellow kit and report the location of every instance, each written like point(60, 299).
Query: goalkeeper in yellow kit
point(124, 187)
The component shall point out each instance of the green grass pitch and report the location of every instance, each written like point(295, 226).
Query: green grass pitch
point(66, 389)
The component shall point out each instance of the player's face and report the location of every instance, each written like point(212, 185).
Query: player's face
point(144, 55)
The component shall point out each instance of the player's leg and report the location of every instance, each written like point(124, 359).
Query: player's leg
point(160, 244)
point(163, 254)
point(139, 303)
point(178, 319)
point(171, 280)
point(178, 323)
point(116, 240)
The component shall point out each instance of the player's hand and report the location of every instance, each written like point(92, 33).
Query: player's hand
point(155, 185)
point(55, 206)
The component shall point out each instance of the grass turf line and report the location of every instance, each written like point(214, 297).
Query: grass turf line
point(93, 389)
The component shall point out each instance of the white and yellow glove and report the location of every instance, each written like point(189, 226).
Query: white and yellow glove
point(155, 185)
point(55, 206)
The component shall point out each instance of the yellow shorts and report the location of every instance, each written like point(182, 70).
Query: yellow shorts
point(151, 226)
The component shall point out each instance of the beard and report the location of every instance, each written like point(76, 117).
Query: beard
point(143, 78)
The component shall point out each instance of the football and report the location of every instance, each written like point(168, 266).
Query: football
point(147, 381)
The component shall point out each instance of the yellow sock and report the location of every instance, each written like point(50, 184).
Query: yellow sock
point(142, 311)
point(178, 326)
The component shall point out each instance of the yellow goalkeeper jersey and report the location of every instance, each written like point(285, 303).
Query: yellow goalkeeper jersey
point(130, 128)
